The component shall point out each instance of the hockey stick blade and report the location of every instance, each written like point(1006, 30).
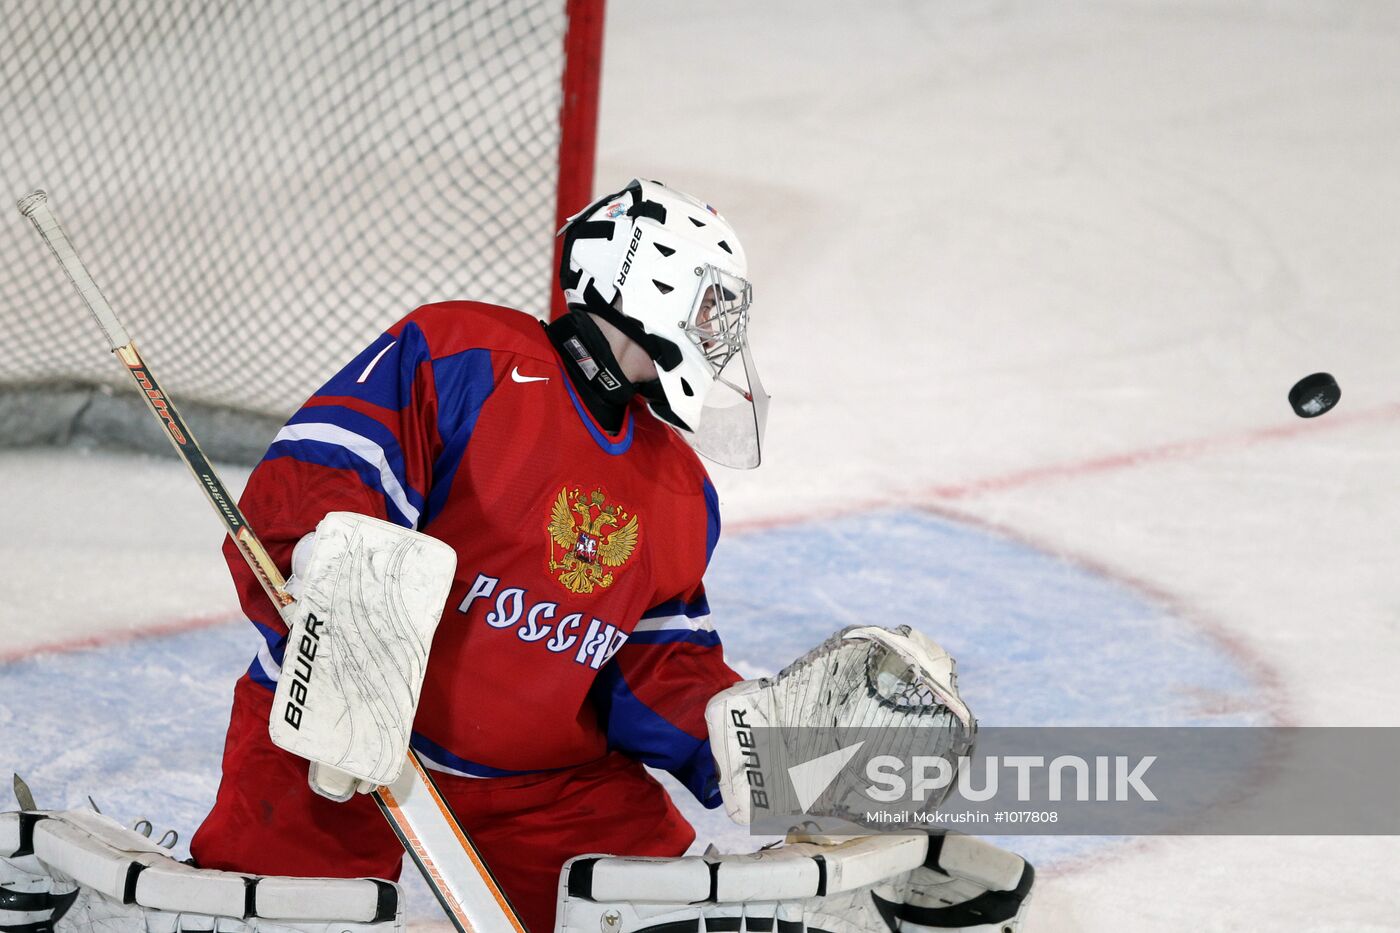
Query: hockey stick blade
point(23, 796)
point(415, 810)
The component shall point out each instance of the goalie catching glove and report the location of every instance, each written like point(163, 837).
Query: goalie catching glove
point(896, 687)
point(369, 597)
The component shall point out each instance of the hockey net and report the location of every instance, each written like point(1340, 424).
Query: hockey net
point(260, 188)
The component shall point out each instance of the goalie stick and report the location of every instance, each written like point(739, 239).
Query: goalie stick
point(414, 807)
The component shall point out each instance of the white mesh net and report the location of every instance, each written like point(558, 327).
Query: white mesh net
point(259, 188)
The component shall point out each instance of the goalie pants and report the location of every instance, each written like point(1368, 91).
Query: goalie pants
point(267, 820)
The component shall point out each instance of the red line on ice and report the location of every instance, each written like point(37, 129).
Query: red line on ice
point(1104, 463)
point(118, 636)
point(1178, 450)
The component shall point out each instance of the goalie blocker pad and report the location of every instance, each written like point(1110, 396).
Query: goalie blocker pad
point(99, 870)
point(869, 884)
point(370, 599)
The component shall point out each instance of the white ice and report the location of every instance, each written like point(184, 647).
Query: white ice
point(1048, 266)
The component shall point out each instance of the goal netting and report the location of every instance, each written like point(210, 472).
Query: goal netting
point(261, 187)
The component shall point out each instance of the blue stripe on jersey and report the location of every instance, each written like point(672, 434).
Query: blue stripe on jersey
point(370, 429)
point(707, 638)
point(711, 519)
point(639, 731)
point(276, 641)
point(463, 382)
point(439, 755)
point(389, 382)
point(259, 676)
point(610, 446)
point(276, 650)
point(339, 437)
point(679, 607)
point(336, 456)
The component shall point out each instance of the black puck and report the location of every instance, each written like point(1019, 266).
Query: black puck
point(1314, 395)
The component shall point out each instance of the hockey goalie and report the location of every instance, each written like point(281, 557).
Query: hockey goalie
point(79, 870)
point(497, 533)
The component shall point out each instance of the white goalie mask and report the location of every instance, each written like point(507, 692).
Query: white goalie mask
point(670, 273)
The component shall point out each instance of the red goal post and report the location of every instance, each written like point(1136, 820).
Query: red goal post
point(578, 118)
point(262, 188)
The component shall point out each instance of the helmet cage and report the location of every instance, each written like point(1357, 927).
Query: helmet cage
point(719, 316)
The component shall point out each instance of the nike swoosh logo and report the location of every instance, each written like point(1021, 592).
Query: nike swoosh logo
point(516, 377)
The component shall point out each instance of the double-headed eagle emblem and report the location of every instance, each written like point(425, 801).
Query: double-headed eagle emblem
point(582, 547)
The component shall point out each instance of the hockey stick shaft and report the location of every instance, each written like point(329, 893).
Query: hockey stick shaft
point(414, 807)
point(35, 207)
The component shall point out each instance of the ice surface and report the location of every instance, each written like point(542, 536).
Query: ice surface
point(1049, 269)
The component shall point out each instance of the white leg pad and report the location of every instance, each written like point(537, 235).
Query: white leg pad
point(866, 884)
point(977, 860)
point(125, 883)
point(621, 879)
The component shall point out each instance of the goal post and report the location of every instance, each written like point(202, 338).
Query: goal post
point(281, 179)
point(578, 121)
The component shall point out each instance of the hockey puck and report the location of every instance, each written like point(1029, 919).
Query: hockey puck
point(1314, 395)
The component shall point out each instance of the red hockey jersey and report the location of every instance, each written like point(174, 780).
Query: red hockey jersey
point(577, 621)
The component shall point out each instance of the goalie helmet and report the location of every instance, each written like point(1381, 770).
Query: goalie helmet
point(669, 272)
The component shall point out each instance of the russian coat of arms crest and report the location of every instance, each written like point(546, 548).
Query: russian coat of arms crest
point(587, 536)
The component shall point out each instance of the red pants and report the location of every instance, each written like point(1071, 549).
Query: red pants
point(267, 821)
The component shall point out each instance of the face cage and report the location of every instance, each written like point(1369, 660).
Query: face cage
point(719, 317)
